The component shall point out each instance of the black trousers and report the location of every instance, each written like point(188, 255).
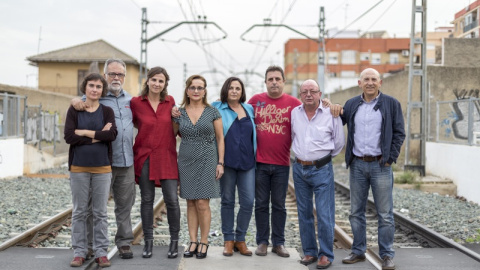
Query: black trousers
point(147, 192)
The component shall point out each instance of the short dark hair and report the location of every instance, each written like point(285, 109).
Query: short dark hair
point(274, 68)
point(94, 77)
point(226, 87)
point(152, 72)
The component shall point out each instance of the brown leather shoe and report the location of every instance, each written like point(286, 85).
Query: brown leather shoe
point(77, 262)
point(228, 248)
point(261, 250)
point(354, 258)
point(281, 251)
point(307, 259)
point(323, 263)
point(242, 247)
point(388, 263)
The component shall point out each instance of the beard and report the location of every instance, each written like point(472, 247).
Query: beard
point(115, 88)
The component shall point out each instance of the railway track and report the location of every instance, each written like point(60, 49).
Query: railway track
point(408, 233)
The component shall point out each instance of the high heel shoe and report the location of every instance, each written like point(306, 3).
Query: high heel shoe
point(147, 250)
point(189, 252)
point(200, 254)
point(173, 249)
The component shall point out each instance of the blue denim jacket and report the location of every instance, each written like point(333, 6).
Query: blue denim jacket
point(228, 116)
point(393, 127)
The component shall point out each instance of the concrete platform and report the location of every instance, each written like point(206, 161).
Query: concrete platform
point(405, 259)
point(433, 259)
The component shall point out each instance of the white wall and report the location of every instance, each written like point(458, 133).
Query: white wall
point(11, 157)
point(459, 163)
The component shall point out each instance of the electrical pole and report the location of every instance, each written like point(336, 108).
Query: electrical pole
point(321, 51)
point(145, 40)
point(320, 41)
point(420, 72)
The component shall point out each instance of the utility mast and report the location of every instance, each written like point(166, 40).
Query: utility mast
point(416, 128)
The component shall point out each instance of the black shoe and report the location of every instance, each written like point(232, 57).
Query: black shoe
point(388, 263)
point(354, 258)
point(189, 252)
point(200, 254)
point(147, 250)
point(125, 252)
point(173, 249)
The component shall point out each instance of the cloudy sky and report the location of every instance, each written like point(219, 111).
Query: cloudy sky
point(30, 27)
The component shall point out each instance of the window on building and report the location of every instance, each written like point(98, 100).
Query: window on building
point(364, 56)
point(348, 57)
point(82, 73)
point(376, 59)
point(347, 74)
point(394, 58)
point(333, 58)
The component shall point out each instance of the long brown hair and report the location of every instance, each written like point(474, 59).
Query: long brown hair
point(188, 83)
point(152, 72)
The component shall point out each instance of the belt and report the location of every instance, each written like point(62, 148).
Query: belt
point(369, 158)
point(318, 163)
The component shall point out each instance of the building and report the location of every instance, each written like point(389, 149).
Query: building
point(434, 45)
point(345, 59)
point(466, 21)
point(63, 70)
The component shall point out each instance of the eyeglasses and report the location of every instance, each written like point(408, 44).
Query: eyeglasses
point(304, 93)
point(193, 88)
point(112, 75)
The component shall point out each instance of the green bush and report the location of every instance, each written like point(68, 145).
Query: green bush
point(407, 177)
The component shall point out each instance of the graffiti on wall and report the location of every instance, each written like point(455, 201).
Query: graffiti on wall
point(456, 122)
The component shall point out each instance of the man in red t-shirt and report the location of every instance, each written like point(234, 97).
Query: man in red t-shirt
point(272, 119)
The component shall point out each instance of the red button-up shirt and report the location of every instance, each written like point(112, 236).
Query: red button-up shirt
point(155, 139)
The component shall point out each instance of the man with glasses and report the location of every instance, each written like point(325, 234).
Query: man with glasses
point(123, 178)
point(272, 119)
point(317, 137)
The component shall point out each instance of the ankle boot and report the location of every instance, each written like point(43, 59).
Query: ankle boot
point(228, 248)
point(173, 249)
point(147, 250)
point(242, 247)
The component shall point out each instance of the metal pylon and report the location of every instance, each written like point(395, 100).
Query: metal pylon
point(420, 103)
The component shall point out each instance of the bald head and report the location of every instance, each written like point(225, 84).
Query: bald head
point(310, 94)
point(369, 70)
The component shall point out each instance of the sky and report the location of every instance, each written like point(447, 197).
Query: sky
point(30, 27)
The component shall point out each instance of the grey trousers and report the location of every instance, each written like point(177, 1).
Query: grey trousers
point(123, 191)
point(94, 186)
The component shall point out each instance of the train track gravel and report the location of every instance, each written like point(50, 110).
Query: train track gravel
point(25, 201)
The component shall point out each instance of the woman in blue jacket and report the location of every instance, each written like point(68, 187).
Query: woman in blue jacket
point(240, 149)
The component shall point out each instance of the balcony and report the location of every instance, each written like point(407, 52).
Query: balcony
point(470, 26)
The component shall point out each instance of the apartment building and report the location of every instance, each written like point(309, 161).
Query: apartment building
point(466, 21)
point(345, 59)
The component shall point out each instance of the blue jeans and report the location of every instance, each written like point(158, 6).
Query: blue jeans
point(271, 183)
point(245, 181)
point(308, 181)
point(364, 175)
point(81, 185)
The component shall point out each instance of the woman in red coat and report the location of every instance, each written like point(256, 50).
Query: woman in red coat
point(155, 156)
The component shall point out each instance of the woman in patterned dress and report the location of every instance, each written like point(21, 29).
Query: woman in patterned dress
point(200, 161)
point(155, 156)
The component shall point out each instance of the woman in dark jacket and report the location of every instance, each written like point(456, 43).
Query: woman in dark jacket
point(90, 134)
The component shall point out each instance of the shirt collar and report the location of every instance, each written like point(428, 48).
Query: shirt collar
point(119, 95)
point(373, 100)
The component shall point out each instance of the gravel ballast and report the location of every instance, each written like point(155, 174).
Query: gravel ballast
point(26, 201)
